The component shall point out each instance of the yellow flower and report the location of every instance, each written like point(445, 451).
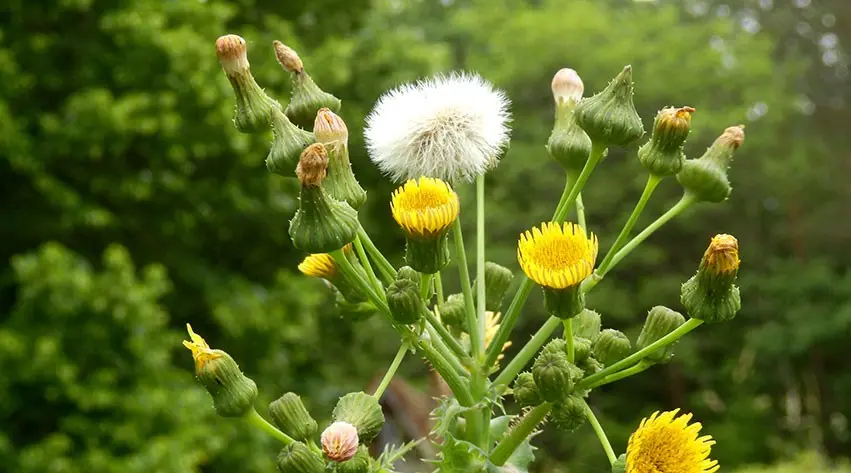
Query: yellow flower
point(557, 256)
point(722, 256)
point(664, 443)
point(201, 352)
point(425, 208)
point(491, 328)
point(321, 265)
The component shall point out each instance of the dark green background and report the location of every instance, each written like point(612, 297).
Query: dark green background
point(130, 206)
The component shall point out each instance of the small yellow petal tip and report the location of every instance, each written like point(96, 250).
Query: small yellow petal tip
point(722, 255)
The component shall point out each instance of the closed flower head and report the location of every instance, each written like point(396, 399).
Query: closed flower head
point(567, 85)
point(340, 441)
point(231, 51)
point(664, 443)
point(287, 57)
point(425, 208)
point(722, 256)
point(556, 255)
point(449, 127)
point(320, 265)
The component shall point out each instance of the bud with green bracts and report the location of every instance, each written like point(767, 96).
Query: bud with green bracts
point(590, 366)
point(611, 346)
point(340, 441)
point(568, 143)
point(569, 414)
point(554, 375)
point(407, 272)
point(663, 154)
point(452, 312)
point(253, 106)
point(705, 178)
point(341, 183)
point(525, 390)
point(619, 466)
point(556, 345)
point(299, 458)
point(359, 463)
point(427, 255)
point(660, 322)
point(587, 325)
point(497, 281)
point(321, 224)
point(362, 411)
point(609, 117)
point(403, 299)
point(307, 97)
point(581, 349)
point(564, 303)
point(290, 415)
point(711, 295)
point(289, 142)
point(233, 393)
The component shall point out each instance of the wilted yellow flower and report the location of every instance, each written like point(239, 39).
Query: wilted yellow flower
point(664, 443)
point(722, 256)
point(425, 207)
point(201, 352)
point(557, 256)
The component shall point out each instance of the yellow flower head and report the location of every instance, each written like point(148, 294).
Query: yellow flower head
point(722, 256)
point(321, 265)
point(664, 443)
point(425, 207)
point(557, 256)
point(201, 352)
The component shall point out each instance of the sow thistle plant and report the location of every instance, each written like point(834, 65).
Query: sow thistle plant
point(432, 137)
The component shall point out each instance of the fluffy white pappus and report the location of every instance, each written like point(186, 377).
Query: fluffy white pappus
point(452, 127)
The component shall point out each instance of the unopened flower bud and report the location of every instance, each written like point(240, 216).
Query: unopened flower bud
point(553, 375)
point(660, 322)
point(299, 458)
point(711, 295)
point(556, 345)
point(590, 365)
point(587, 324)
point(526, 391)
point(307, 97)
point(581, 349)
point(567, 86)
point(362, 411)
point(611, 346)
point(233, 393)
point(253, 106)
point(290, 415)
point(568, 143)
point(568, 414)
point(341, 183)
point(706, 178)
point(452, 312)
point(425, 209)
point(357, 464)
point(289, 142)
point(321, 224)
point(403, 299)
point(340, 441)
point(609, 117)
point(497, 281)
point(407, 272)
point(322, 265)
point(663, 154)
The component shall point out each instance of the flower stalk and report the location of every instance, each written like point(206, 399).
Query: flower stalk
point(258, 421)
point(601, 434)
point(391, 371)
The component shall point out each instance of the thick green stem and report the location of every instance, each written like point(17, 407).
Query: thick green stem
point(672, 337)
point(527, 352)
point(464, 273)
point(388, 273)
point(455, 382)
point(365, 262)
point(632, 370)
point(255, 419)
point(391, 371)
point(580, 206)
point(438, 287)
point(425, 287)
point(447, 353)
point(568, 338)
point(601, 435)
point(447, 337)
point(503, 451)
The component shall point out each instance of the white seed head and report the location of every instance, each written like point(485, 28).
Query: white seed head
point(567, 85)
point(450, 127)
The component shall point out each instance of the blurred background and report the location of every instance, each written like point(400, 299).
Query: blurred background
point(130, 206)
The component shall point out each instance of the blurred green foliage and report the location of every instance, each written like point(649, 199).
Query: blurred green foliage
point(131, 206)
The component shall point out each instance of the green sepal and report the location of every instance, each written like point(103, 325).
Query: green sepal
point(660, 321)
point(299, 458)
point(611, 346)
point(619, 466)
point(587, 325)
point(569, 414)
point(362, 411)
point(609, 117)
point(708, 302)
point(307, 99)
point(289, 414)
point(427, 255)
point(564, 303)
point(289, 141)
point(552, 374)
point(452, 312)
point(253, 112)
point(568, 143)
point(525, 390)
point(360, 463)
point(403, 299)
point(233, 393)
point(341, 183)
point(321, 223)
point(497, 281)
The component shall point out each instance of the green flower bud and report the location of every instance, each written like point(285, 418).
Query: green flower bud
point(706, 178)
point(568, 143)
point(290, 415)
point(590, 366)
point(299, 458)
point(619, 466)
point(660, 322)
point(587, 325)
point(556, 345)
point(663, 154)
point(581, 349)
point(307, 97)
point(353, 311)
point(425, 208)
point(253, 106)
point(362, 411)
point(452, 312)
point(526, 391)
point(497, 281)
point(611, 346)
point(403, 299)
point(357, 464)
point(407, 272)
point(710, 294)
point(321, 223)
point(564, 303)
point(341, 183)
point(552, 374)
point(290, 141)
point(569, 414)
point(340, 441)
point(609, 117)
point(233, 393)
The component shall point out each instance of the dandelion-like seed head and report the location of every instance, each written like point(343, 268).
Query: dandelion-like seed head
point(665, 443)
point(450, 127)
point(425, 207)
point(556, 255)
point(201, 351)
point(722, 256)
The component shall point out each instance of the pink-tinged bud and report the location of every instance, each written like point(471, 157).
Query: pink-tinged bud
point(231, 51)
point(567, 85)
point(340, 441)
point(288, 58)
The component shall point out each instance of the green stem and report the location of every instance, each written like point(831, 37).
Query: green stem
point(447, 337)
point(425, 287)
point(353, 275)
point(365, 261)
point(400, 355)
point(568, 338)
point(672, 337)
point(258, 421)
point(506, 447)
point(479, 370)
point(438, 287)
point(601, 435)
point(580, 213)
point(455, 382)
point(597, 151)
point(446, 352)
point(632, 370)
point(464, 273)
point(527, 352)
point(388, 273)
